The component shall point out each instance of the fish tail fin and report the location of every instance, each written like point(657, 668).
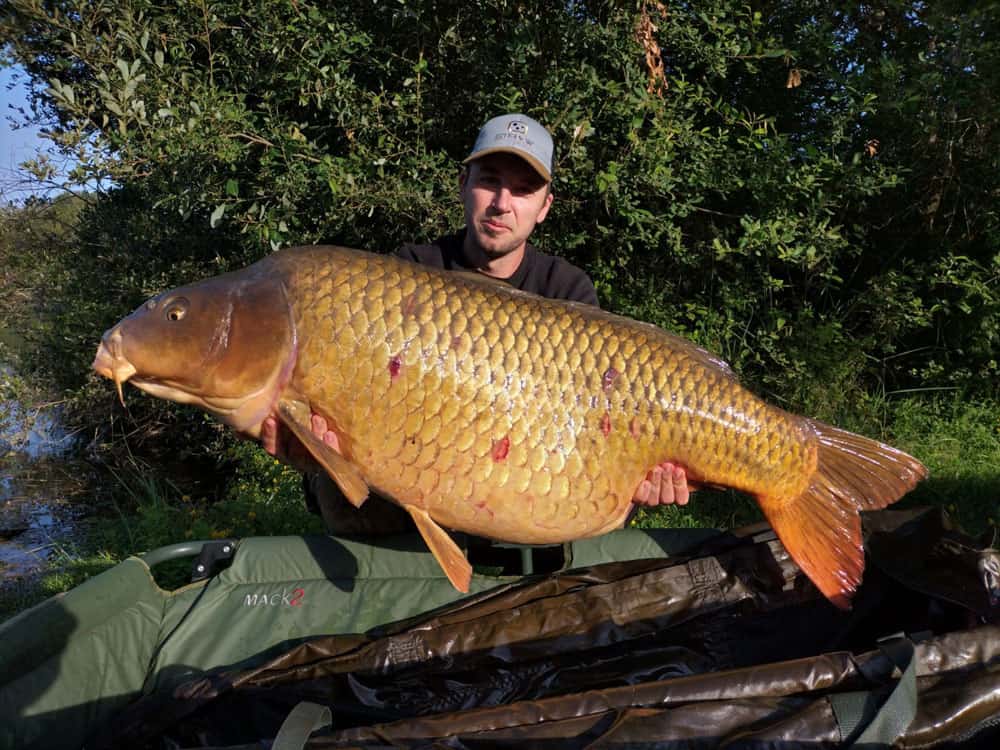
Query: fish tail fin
point(821, 527)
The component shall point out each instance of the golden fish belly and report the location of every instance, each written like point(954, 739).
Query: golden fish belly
point(514, 417)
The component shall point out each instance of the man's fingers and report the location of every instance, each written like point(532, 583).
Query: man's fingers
point(648, 492)
point(643, 494)
point(319, 426)
point(269, 435)
point(321, 429)
point(656, 486)
point(679, 485)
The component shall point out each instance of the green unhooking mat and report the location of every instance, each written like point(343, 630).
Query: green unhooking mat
point(724, 644)
point(72, 662)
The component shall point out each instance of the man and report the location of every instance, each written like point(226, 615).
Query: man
point(506, 191)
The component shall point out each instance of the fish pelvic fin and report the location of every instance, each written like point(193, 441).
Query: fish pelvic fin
point(446, 552)
point(296, 417)
point(821, 527)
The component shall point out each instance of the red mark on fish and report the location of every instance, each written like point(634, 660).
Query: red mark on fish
point(606, 424)
point(610, 376)
point(633, 427)
point(395, 365)
point(501, 448)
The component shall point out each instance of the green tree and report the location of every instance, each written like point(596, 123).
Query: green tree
point(804, 188)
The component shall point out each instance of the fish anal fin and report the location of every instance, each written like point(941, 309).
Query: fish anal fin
point(297, 417)
point(821, 527)
point(443, 547)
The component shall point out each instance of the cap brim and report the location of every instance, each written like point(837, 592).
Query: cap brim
point(531, 160)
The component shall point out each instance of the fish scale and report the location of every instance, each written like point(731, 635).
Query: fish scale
point(496, 412)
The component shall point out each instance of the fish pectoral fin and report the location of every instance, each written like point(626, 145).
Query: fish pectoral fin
point(446, 552)
point(297, 417)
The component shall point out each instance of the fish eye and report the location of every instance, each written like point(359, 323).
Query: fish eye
point(176, 309)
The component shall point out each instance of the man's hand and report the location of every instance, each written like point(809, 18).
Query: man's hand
point(281, 443)
point(666, 484)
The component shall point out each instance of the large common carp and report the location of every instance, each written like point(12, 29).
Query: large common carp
point(491, 411)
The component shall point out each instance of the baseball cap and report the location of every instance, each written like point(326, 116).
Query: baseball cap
point(519, 135)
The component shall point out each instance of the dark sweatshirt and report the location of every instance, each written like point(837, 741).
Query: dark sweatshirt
point(539, 273)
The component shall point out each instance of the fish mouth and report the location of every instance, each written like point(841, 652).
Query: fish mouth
point(111, 362)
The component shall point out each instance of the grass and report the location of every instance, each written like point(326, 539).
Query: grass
point(959, 442)
point(145, 511)
point(66, 569)
point(707, 509)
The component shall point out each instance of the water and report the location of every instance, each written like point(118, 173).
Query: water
point(42, 491)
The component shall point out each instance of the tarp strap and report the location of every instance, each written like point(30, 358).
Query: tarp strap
point(880, 726)
point(300, 723)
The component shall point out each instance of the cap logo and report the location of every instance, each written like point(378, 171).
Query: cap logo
point(516, 127)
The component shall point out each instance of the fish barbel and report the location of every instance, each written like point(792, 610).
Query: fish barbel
point(496, 412)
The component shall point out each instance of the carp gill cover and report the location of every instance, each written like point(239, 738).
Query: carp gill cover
point(496, 412)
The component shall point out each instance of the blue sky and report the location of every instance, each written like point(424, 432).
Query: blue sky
point(15, 145)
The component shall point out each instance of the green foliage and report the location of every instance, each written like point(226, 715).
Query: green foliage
point(707, 509)
point(959, 440)
point(263, 498)
point(938, 235)
point(67, 568)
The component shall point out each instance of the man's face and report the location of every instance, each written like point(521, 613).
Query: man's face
point(504, 198)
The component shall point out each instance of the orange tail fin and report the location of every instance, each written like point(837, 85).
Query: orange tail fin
point(821, 528)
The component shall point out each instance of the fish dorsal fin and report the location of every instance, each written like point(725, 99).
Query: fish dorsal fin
point(296, 417)
point(443, 547)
